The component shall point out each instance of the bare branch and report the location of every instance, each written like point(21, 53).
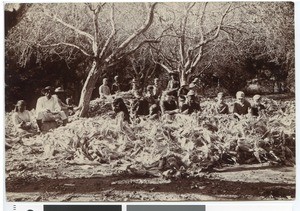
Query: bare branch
point(202, 22)
point(159, 63)
point(66, 44)
point(70, 26)
point(141, 29)
point(183, 30)
point(201, 44)
point(217, 29)
point(197, 58)
point(112, 34)
point(137, 47)
point(219, 26)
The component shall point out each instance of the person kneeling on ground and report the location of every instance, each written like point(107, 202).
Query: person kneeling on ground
point(22, 119)
point(48, 109)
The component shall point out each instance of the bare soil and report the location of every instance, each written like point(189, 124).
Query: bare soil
point(253, 182)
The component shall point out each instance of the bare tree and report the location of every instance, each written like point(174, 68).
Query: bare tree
point(142, 67)
point(88, 29)
point(190, 33)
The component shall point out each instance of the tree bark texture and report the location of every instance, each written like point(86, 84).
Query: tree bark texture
point(87, 90)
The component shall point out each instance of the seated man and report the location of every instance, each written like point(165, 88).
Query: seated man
point(221, 107)
point(60, 93)
point(140, 106)
point(48, 109)
point(257, 108)
point(22, 119)
point(190, 106)
point(104, 90)
point(241, 106)
point(169, 106)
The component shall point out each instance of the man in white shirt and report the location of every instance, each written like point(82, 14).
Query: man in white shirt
point(48, 108)
point(104, 90)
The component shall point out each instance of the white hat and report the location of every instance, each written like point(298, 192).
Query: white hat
point(240, 94)
point(191, 93)
point(256, 97)
point(59, 90)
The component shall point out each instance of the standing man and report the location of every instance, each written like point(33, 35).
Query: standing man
point(173, 83)
point(116, 87)
point(48, 108)
point(157, 89)
point(104, 90)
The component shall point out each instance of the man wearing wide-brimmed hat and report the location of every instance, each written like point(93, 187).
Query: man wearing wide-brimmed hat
point(48, 108)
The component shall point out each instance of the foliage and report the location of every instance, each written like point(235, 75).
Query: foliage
point(193, 140)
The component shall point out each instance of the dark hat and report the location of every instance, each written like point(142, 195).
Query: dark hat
point(59, 90)
point(47, 88)
point(20, 102)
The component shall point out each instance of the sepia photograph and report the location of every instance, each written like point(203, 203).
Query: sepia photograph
point(150, 101)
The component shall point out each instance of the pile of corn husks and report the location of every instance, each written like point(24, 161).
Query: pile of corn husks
point(184, 144)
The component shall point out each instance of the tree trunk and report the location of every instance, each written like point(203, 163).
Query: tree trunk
point(184, 78)
point(87, 89)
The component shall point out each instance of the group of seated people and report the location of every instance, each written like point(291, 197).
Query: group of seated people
point(49, 108)
point(152, 104)
point(172, 103)
point(176, 98)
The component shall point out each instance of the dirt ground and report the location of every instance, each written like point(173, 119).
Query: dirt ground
point(247, 182)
